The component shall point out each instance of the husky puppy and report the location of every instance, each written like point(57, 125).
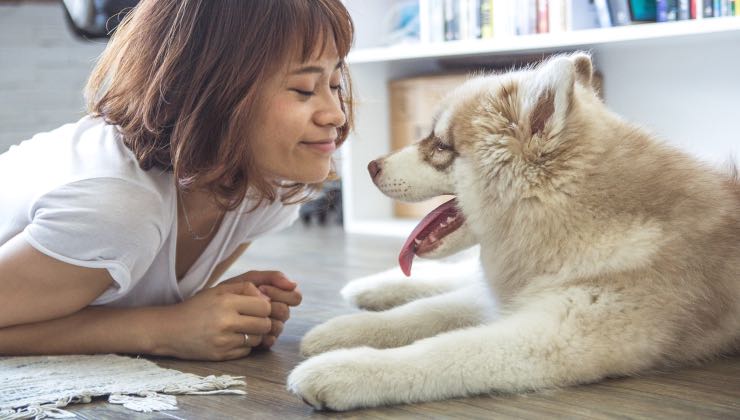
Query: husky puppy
point(608, 253)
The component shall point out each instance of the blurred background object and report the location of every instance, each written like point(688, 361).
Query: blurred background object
point(326, 207)
point(93, 19)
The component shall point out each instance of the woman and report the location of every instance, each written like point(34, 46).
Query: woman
point(208, 121)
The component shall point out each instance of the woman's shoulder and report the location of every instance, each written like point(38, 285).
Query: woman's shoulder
point(89, 150)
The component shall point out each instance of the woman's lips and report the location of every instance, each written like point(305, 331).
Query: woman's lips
point(324, 147)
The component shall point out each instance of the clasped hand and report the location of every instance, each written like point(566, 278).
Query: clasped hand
point(256, 303)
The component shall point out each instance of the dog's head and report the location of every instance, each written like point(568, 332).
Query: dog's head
point(496, 140)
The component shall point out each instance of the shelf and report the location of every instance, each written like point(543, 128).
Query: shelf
point(668, 77)
point(545, 42)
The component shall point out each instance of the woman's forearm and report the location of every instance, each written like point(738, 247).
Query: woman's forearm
point(91, 330)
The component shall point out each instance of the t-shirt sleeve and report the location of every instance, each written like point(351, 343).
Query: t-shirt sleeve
point(100, 223)
point(274, 218)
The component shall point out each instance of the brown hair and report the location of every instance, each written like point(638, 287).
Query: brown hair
point(181, 79)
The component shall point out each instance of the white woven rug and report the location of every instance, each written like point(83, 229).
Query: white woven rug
point(38, 387)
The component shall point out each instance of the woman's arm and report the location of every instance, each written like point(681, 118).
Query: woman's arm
point(90, 330)
point(35, 287)
point(210, 326)
point(44, 310)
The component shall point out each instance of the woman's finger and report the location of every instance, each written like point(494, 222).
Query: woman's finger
point(252, 325)
point(292, 297)
point(251, 305)
point(273, 278)
point(250, 340)
point(280, 311)
point(277, 328)
point(268, 341)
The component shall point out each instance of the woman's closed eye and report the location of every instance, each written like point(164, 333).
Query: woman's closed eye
point(302, 92)
point(309, 93)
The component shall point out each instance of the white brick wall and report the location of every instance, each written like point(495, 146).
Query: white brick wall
point(43, 69)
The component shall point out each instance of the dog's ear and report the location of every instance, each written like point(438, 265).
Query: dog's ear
point(551, 92)
point(584, 68)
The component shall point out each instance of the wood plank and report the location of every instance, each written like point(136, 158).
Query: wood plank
point(322, 260)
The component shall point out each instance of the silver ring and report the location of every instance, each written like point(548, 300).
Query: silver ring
point(246, 339)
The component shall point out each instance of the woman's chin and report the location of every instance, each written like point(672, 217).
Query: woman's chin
point(313, 177)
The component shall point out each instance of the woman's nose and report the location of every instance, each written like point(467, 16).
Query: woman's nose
point(332, 113)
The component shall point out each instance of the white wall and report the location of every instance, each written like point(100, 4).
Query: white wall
point(43, 69)
point(687, 90)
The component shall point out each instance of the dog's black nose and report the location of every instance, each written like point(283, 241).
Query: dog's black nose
point(374, 168)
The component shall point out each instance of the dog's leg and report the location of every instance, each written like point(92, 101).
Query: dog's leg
point(576, 337)
point(391, 288)
point(404, 324)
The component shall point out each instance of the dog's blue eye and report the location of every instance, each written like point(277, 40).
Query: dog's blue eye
point(443, 147)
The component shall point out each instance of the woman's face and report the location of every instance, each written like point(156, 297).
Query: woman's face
point(297, 120)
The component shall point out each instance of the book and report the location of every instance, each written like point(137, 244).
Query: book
point(543, 17)
point(643, 10)
point(525, 13)
point(452, 20)
point(463, 21)
point(425, 28)
point(619, 11)
point(602, 11)
point(667, 10)
point(436, 20)
point(486, 19)
point(503, 19)
point(473, 17)
point(556, 16)
point(581, 14)
point(683, 12)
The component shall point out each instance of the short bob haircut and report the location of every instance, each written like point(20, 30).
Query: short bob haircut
point(181, 79)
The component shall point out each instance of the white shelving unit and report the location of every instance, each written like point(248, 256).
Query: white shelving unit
point(680, 79)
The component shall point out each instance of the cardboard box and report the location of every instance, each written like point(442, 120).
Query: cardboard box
point(413, 103)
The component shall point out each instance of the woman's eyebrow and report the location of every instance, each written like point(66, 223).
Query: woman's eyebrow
point(314, 69)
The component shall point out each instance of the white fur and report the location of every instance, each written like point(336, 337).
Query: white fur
point(622, 258)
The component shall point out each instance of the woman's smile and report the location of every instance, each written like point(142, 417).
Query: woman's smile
point(324, 147)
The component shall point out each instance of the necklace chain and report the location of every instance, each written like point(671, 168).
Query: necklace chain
point(194, 235)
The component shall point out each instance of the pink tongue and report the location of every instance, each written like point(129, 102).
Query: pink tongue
point(408, 251)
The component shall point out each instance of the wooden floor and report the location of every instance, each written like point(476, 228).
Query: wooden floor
point(322, 260)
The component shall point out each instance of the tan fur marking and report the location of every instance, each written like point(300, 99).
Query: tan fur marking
point(501, 112)
point(584, 69)
point(542, 110)
point(431, 153)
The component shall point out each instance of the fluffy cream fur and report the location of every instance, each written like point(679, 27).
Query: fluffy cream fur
point(608, 252)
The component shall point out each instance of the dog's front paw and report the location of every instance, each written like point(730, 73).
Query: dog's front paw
point(372, 295)
point(339, 380)
point(355, 330)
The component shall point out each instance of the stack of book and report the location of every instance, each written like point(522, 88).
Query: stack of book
point(448, 20)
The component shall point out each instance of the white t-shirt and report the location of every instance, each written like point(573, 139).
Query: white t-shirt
point(77, 194)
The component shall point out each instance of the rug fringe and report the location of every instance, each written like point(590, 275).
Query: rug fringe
point(148, 402)
point(38, 412)
point(145, 402)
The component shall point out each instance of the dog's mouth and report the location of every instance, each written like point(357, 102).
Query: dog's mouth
point(428, 234)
